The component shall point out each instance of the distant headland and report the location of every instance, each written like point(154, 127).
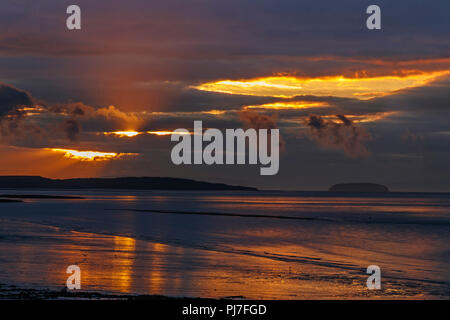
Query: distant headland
point(137, 183)
point(358, 187)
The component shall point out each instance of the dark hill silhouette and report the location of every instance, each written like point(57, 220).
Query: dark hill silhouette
point(358, 187)
point(140, 183)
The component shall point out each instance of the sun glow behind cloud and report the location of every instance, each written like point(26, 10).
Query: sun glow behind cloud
point(338, 86)
point(32, 111)
point(131, 134)
point(288, 105)
point(122, 134)
point(89, 155)
point(166, 133)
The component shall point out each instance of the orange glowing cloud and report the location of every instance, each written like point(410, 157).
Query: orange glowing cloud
point(89, 155)
point(338, 86)
point(131, 134)
point(288, 105)
point(166, 133)
point(214, 112)
point(32, 111)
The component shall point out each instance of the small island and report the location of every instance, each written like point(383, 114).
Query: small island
point(358, 187)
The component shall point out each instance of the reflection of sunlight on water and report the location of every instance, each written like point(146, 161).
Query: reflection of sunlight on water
point(191, 255)
point(127, 198)
point(328, 204)
point(122, 262)
point(155, 268)
point(161, 268)
point(160, 199)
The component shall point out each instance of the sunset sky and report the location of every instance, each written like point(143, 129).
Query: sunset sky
point(352, 104)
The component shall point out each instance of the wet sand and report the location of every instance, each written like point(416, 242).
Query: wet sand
point(123, 267)
point(132, 252)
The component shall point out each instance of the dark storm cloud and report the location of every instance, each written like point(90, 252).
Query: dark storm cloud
point(255, 120)
point(145, 55)
point(342, 134)
point(191, 106)
point(72, 129)
point(432, 99)
point(220, 29)
point(25, 121)
point(11, 99)
point(195, 100)
point(197, 41)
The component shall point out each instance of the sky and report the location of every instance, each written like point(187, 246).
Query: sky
point(352, 104)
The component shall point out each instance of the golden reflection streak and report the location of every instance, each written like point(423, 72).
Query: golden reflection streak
point(157, 278)
point(124, 248)
point(338, 86)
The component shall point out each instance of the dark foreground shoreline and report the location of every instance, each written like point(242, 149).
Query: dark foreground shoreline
point(11, 292)
point(48, 302)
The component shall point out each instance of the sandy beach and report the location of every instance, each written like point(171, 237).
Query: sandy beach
point(125, 248)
